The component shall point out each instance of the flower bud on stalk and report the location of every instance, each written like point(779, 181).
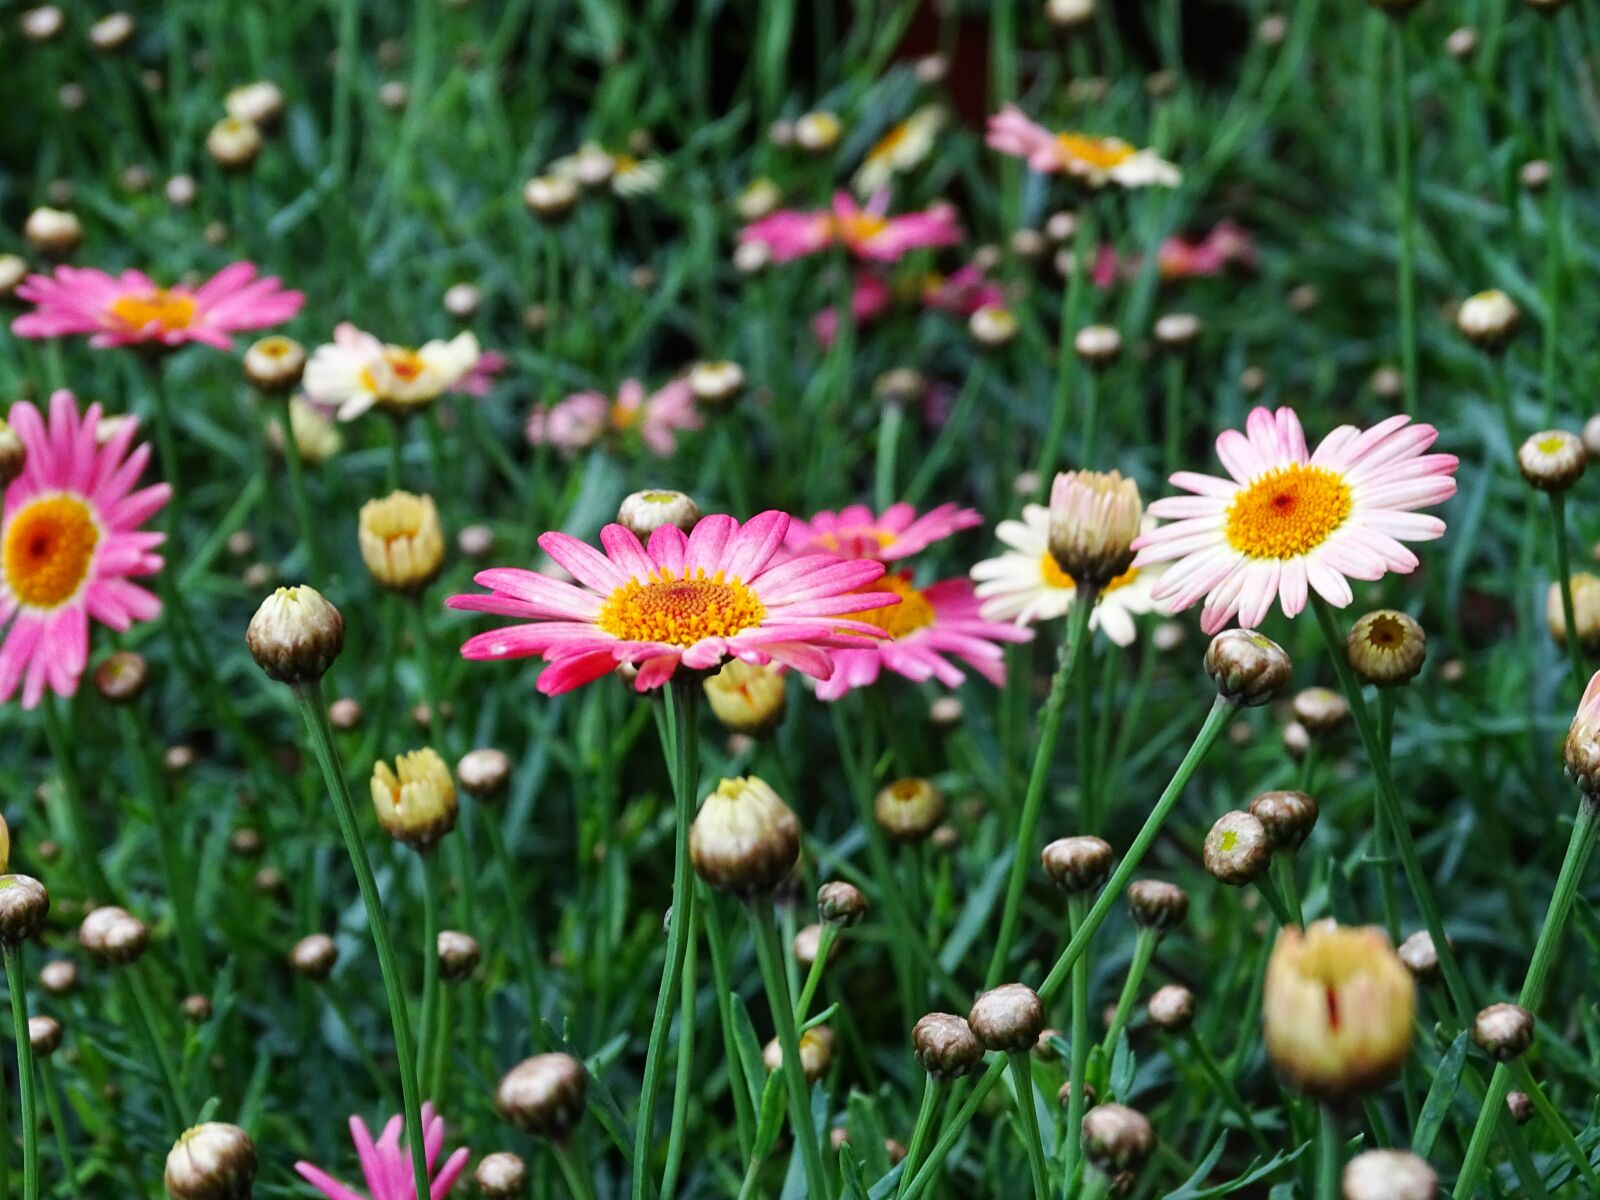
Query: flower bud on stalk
point(44, 1035)
point(746, 697)
point(816, 1053)
point(1582, 749)
point(642, 513)
point(213, 1161)
point(1077, 864)
point(1117, 1138)
point(1585, 611)
point(275, 364)
point(945, 1045)
point(1094, 517)
point(458, 955)
point(909, 810)
point(1503, 1031)
point(745, 839)
point(1007, 1018)
point(840, 903)
point(1520, 1106)
point(1552, 461)
point(1098, 346)
point(807, 945)
point(1320, 709)
point(313, 956)
point(401, 541)
point(24, 905)
point(233, 143)
point(53, 232)
point(1247, 667)
point(716, 382)
point(1386, 648)
point(1488, 320)
point(484, 773)
point(1389, 1175)
point(1420, 956)
point(544, 1095)
point(113, 935)
point(1156, 904)
point(295, 635)
point(501, 1176)
point(416, 799)
point(1288, 817)
point(121, 676)
point(1171, 1008)
point(1238, 849)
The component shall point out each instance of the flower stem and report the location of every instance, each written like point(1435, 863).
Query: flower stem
point(889, 422)
point(297, 490)
point(684, 1066)
point(1033, 799)
point(808, 993)
point(61, 744)
point(919, 1135)
point(580, 1180)
point(1554, 214)
point(1144, 949)
point(1022, 1081)
point(1077, 910)
point(1552, 1117)
point(1288, 888)
point(315, 711)
point(744, 1116)
point(1330, 1154)
point(58, 1126)
point(769, 952)
point(521, 945)
point(1224, 1088)
point(683, 754)
point(1406, 188)
point(137, 996)
point(428, 1022)
point(1558, 532)
point(1083, 250)
point(17, 984)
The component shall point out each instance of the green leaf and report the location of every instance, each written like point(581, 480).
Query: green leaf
point(1440, 1096)
point(744, 1036)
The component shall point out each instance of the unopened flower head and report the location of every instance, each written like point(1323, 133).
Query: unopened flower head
point(1008, 1017)
point(1503, 1031)
point(274, 364)
point(840, 903)
point(24, 905)
point(110, 934)
point(717, 381)
point(759, 198)
point(1077, 864)
point(401, 541)
point(53, 232)
point(1386, 648)
point(816, 1053)
point(818, 131)
point(501, 1176)
point(1552, 460)
point(233, 143)
point(484, 773)
point(747, 698)
point(550, 197)
point(1247, 667)
point(1157, 904)
point(642, 513)
point(993, 325)
point(1388, 1175)
point(1237, 850)
point(459, 955)
point(1585, 611)
point(295, 635)
point(211, 1161)
point(1338, 1009)
point(1320, 709)
point(1488, 319)
point(1098, 345)
point(415, 799)
point(260, 103)
point(1094, 519)
point(945, 1045)
point(314, 956)
point(1288, 817)
point(745, 839)
point(111, 32)
point(316, 438)
point(1171, 1008)
point(1117, 1138)
point(908, 810)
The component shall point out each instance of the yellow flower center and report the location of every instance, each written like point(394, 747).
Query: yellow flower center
point(1103, 153)
point(623, 419)
point(860, 227)
point(159, 307)
point(1288, 512)
point(1554, 444)
point(858, 540)
point(1055, 577)
point(890, 142)
point(406, 366)
point(680, 611)
point(897, 620)
point(48, 547)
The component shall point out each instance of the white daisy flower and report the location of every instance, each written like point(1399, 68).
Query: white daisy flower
point(356, 371)
point(899, 150)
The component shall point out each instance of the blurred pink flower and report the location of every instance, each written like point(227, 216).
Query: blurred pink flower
point(857, 532)
point(1095, 161)
point(386, 1163)
point(132, 309)
point(964, 292)
point(580, 420)
point(1227, 245)
point(869, 300)
point(480, 377)
point(867, 232)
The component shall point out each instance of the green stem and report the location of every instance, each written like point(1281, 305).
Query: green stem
point(808, 993)
point(580, 1180)
point(1144, 949)
point(1330, 1154)
point(889, 422)
point(1077, 910)
point(1380, 831)
point(1288, 888)
point(314, 709)
point(919, 1135)
point(62, 742)
point(1083, 250)
point(769, 952)
point(1022, 1081)
point(297, 490)
point(1406, 188)
point(685, 1060)
point(1552, 1117)
point(1554, 214)
point(521, 945)
point(138, 997)
point(1172, 422)
point(428, 1022)
point(17, 984)
point(1033, 799)
point(1275, 901)
point(744, 1115)
point(683, 749)
point(1558, 531)
point(1224, 1088)
point(58, 1126)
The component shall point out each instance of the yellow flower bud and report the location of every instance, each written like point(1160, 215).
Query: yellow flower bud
point(747, 698)
point(416, 800)
point(401, 541)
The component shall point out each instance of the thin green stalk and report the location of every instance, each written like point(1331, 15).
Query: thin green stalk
point(889, 421)
point(1288, 887)
point(1177, 376)
point(1091, 416)
point(682, 700)
point(138, 998)
point(1224, 1088)
point(1033, 800)
point(58, 1126)
point(1072, 1137)
point(1551, 1116)
point(1022, 1081)
point(342, 1014)
point(1558, 532)
point(829, 935)
point(1554, 218)
point(1380, 831)
point(17, 984)
point(685, 1063)
point(580, 1180)
point(61, 741)
point(1330, 1154)
point(428, 1022)
point(919, 1134)
point(314, 710)
point(1144, 949)
point(1275, 901)
point(743, 1113)
point(1406, 188)
point(297, 491)
point(769, 952)
point(521, 945)
point(1083, 249)
point(1389, 812)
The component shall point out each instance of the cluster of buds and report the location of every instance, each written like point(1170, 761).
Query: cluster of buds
point(113, 935)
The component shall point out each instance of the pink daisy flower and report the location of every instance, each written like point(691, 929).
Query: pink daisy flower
point(1291, 520)
point(1095, 161)
point(69, 544)
point(386, 1163)
point(480, 377)
point(132, 310)
point(869, 300)
point(856, 532)
point(698, 600)
point(867, 232)
point(583, 418)
point(921, 633)
point(964, 292)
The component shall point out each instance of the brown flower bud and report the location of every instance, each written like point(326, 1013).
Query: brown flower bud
point(233, 143)
point(816, 1053)
point(1098, 345)
point(1504, 1031)
point(716, 382)
point(1386, 648)
point(1420, 956)
point(1064, 1094)
point(295, 635)
point(458, 955)
point(1388, 1175)
point(213, 1161)
point(1288, 817)
point(840, 903)
point(196, 1008)
point(313, 956)
point(1156, 904)
point(1116, 1138)
point(642, 513)
point(1171, 1008)
point(1488, 319)
point(1520, 1106)
point(44, 1035)
point(1237, 850)
point(1094, 518)
point(113, 935)
point(501, 1175)
point(484, 773)
point(1077, 864)
point(807, 945)
point(121, 676)
point(1178, 331)
point(274, 364)
point(1552, 460)
point(1247, 667)
point(909, 809)
point(59, 977)
point(1320, 709)
point(544, 1095)
point(24, 904)
point(344, 714)
point(1008, 1017)
point(745, 839)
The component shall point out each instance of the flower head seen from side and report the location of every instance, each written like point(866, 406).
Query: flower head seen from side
point(386, 1163)
point(1024, 584)
point(71, 544)
point(899, 150)
point(131, 309)
point(1290, 520)
point(693, 600)
point(356, 371)
point(1094, 161)
point(582, 419)
point(868, 232)
point(858, 532)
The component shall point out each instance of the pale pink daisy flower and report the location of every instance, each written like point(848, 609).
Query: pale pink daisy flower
point(921, 634)
point(386, 1163)
point(1095, 161)
point(867, 232)
point(356, 371)
point(131, 309)
point(583, 418)
point(1290, 520)
point(697, 600)
point(857, 532)
point(70, 543)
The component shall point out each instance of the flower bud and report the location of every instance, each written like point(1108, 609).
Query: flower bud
point(807, 945)
point(1386, 648)
point(53, 232)
point(484, 773)
point(840, 903)
point(1488, 320)
point(1116, 1138)
point(992, 325)
point(1237, 850)
point(24, 904)
point(501, 1176)
point(233, 143)
point(44, 1035)
point(1520, 1106)
point(1585, 611)
point(1177, 331)
point(42, 24)
point(274, 364)
point(946, 712)
point(909, 809)
point(745, 839)
point(1420, 956)
point(544, 1095)
point(816, 1053)
point(1388, 1175)
point(1008, 1017)
point(295, 635)
point(1064, 1094)
point(260, 103)
point(313, 956)
point(196, 1008)
point(1534, 175)
point(213, 1161)
point(401, 541)
point(1503, 1031)
point(1553, 460)
point(1337, 1009)
point(416, 800)
point(59, 977)
point(458, 955)
point(1171, 1008)
point(1094, 517)
point(945, 1045)
point(550, 197)
point(1156, 904)
point(758, 199)
point(1069, 14)
point(1077, 864)
point(13, 455)
point(1098, 345)
point(1582, 749)
point(344, 714)
point(1320, 709)
point(476, 541)
point(642, 513)
point(818, 131)
point(461, 301)
point(121, 676)
point(113, 935)
point(716, 382)
point(1288, 817)
point(746, 697)
point(1462, 43)
point(1247, 667)
point(111, 32)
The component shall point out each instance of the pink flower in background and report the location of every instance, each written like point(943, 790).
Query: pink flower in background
point(480, 377)
point(1178, 258)
point(386, 1163)
point(856, 532)
point(70, 544)
point(1095, 161)
point(1288, 521)
point(131, 309)
point(964, 292)
point(866, 231)
point(584, 418)
point(720, 592)
point(869, 300)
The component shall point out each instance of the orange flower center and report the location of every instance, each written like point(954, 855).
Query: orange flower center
point(859, 227)
point(890, 142)
point(1101, 153)
point(897, 620)
point(169, 310)
point(859, 542)
point(406, 366)
point(680, 611)
point(624, 418)
point(1288, 512)
point(48, 547)
point(1055, 577)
